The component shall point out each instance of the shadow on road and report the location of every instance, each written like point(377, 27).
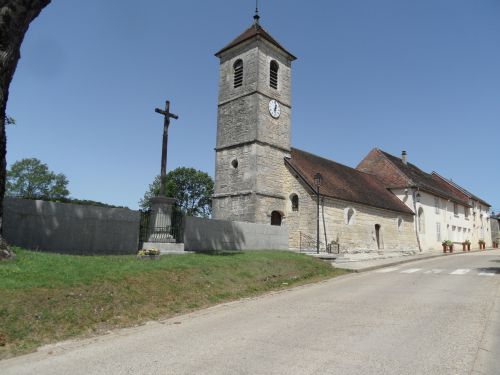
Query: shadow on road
point(490, 270)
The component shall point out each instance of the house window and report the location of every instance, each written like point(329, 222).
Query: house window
point(295, 202)
point(455, 209)
point(238, 73)
point(467, 213)
point(421, 220)
point(438, 231)
point(273, 74)
point(436, 204)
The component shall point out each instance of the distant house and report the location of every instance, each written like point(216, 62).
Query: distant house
point(444, 210)
point(495, 227)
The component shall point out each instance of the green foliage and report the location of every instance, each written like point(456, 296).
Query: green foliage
point(10, 120)
point(32, 179)
point(193, 190)
point(82, 202)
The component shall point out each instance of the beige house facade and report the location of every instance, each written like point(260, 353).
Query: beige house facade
point(443, 210)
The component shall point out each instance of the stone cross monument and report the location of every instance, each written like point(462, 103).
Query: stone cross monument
point(161, 206)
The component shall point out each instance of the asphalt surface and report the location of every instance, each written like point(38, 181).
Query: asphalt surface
point(436, 316)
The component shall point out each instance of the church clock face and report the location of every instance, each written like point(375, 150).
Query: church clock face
point(274, 108)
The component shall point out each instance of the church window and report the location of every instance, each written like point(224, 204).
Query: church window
point(350, 216)
point(234, 163)
point(421, 220)
point(438, 231)
point(273, 74)
point(238, 73)
point(436, 204)
point(295, 202)
point(400, 223)
point(455, 209)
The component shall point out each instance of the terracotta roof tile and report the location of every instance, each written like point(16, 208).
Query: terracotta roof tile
point(345, 183)
point(460, 189)
point(413, 176)
point(251, 32)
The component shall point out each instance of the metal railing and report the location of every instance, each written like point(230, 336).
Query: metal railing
point(175, 230)
point(307, 243)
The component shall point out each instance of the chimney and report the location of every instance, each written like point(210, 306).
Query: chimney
point(404, 158)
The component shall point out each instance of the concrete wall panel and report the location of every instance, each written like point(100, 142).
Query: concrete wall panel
point(209, 234)
point(70, 228)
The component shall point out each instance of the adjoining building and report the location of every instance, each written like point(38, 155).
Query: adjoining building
point(444, 210)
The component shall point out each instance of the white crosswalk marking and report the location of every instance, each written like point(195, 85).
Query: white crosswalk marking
point(460, 271)
point(412, 270)
point(437, 270)
point(385, 270)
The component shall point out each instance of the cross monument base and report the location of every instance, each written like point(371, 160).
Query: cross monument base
point(160, 222)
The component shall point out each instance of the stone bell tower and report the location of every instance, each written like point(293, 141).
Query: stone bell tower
point(253, 128)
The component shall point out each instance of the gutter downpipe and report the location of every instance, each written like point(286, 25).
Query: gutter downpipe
point(413, 193)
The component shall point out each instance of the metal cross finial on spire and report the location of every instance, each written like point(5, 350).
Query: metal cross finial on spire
point(256, 16)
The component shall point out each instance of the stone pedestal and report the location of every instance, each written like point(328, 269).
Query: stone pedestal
point(160, 222)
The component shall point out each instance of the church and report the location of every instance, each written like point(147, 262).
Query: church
point(260, 178)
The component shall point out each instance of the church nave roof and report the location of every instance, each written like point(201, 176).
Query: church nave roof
point(343, 182)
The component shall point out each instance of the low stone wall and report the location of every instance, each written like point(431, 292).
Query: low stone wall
point(210, 234)
point(70, 228)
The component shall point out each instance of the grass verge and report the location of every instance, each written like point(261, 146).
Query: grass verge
point(50, 297)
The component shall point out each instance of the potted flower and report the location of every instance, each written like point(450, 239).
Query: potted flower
point(482, 244)
point(447, 245)
point(148, 254)
point(466, 245)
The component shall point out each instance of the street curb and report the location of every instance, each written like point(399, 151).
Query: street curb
point(402, 261)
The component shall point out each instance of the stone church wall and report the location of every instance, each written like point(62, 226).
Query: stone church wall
point(356, 236)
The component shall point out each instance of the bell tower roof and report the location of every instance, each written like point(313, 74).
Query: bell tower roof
point(254, 31)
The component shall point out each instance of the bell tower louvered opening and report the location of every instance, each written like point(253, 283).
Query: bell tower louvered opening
point(273, 74)
point(238, 73)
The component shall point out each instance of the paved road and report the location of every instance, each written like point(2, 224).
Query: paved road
point(438, 316)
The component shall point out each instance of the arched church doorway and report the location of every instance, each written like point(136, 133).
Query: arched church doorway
point(276, 218)
point(377, 235)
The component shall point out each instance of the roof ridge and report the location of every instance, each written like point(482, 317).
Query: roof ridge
point(331, 161)
point(462, 189)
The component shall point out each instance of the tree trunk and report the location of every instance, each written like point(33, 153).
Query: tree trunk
point(15, 18)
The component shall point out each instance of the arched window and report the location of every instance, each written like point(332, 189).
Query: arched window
point(350, 216)
point(377, 236)
point(273, 74)
point(238, 73)
point(400, 223)
point(421, 220)
point(295, 202)
point(276, 218)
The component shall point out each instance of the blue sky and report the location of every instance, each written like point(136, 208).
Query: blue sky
point(421, 76)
